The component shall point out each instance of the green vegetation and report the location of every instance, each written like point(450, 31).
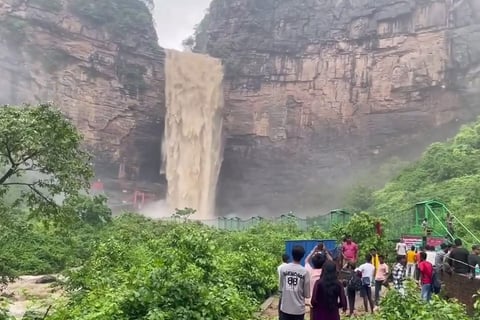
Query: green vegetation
point(33, 246)
point(448, 171)
point(394, 307)
point(132, 77)
point(131, 267)
point(50, 5)
point(142, 269)
point(42, 163)
point(119, 18)
point(359, 198)
point(42, 158)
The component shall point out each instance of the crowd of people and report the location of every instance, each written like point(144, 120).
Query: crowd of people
point(328, 284)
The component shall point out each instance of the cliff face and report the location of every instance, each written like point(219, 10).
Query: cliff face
point(319, 90)
point(316, 91)
point(100, 64)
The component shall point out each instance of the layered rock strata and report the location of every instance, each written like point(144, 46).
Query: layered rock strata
point(105, 72)
point(319, 91)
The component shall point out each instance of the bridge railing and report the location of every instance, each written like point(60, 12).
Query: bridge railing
point(236, 224)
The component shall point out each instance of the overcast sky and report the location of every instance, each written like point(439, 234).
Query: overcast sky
point(175, 20)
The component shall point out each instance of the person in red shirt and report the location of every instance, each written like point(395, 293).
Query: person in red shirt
point(349, 251)
point(417, 272)
point(426, 272)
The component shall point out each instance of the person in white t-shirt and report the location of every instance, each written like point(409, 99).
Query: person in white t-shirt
point(368, 271)
point(431, 254)
point(401, 249)
point(285, 259)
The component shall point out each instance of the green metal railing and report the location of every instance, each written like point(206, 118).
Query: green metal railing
point(437, 215)
point(322, 221)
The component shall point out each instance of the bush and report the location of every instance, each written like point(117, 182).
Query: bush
point(362, 229)
point(186, 273)
point(33, 247)
point(143, 269)
point(394, 307)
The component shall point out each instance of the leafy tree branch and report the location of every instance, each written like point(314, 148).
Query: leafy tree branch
point(41, 153)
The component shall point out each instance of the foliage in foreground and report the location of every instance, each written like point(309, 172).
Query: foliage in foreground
point(136, 268)
point(394, 307)
point(46, 221)
point(31, 246)
point(143, 269)
point(153, 270)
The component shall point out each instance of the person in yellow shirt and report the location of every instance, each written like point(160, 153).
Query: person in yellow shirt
point(411, 260)
point(375, 259)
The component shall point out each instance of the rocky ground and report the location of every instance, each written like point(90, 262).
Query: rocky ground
point(33, 293)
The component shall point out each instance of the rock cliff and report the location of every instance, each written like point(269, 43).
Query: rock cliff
point(316, 93)
point(319, 90)
point(99, 61)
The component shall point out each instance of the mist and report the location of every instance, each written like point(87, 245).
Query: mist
point(156, 210)
point(176, 22)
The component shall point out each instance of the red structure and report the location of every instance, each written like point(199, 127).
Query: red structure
point(97, 187)
point(138, 199)
point(127, 195)
point(378, 228)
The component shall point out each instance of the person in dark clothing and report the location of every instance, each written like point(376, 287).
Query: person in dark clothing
point(459, 258)
point(474, 258)
point(353, 284)
point(440, 257)
point(328, 295)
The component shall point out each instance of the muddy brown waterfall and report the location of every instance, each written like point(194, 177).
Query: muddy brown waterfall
point(192, 147)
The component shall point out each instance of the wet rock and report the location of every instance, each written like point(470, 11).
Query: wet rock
point(46, 279)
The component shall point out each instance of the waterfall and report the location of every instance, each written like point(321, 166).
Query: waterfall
point(192, 148)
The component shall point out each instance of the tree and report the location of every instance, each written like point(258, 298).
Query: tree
point(188, 44)
point(41, 157)
point(92, 211)
point(184, 214)
point(359, 198)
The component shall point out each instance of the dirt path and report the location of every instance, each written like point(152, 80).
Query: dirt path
point(271, 312)
point(27, 294)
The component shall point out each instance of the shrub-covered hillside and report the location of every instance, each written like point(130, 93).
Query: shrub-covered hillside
point(447, 171)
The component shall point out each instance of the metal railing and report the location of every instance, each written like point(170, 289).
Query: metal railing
point(322, 221)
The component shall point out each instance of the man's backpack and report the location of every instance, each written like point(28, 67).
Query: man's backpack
point(355, 282)
point(436, 283)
